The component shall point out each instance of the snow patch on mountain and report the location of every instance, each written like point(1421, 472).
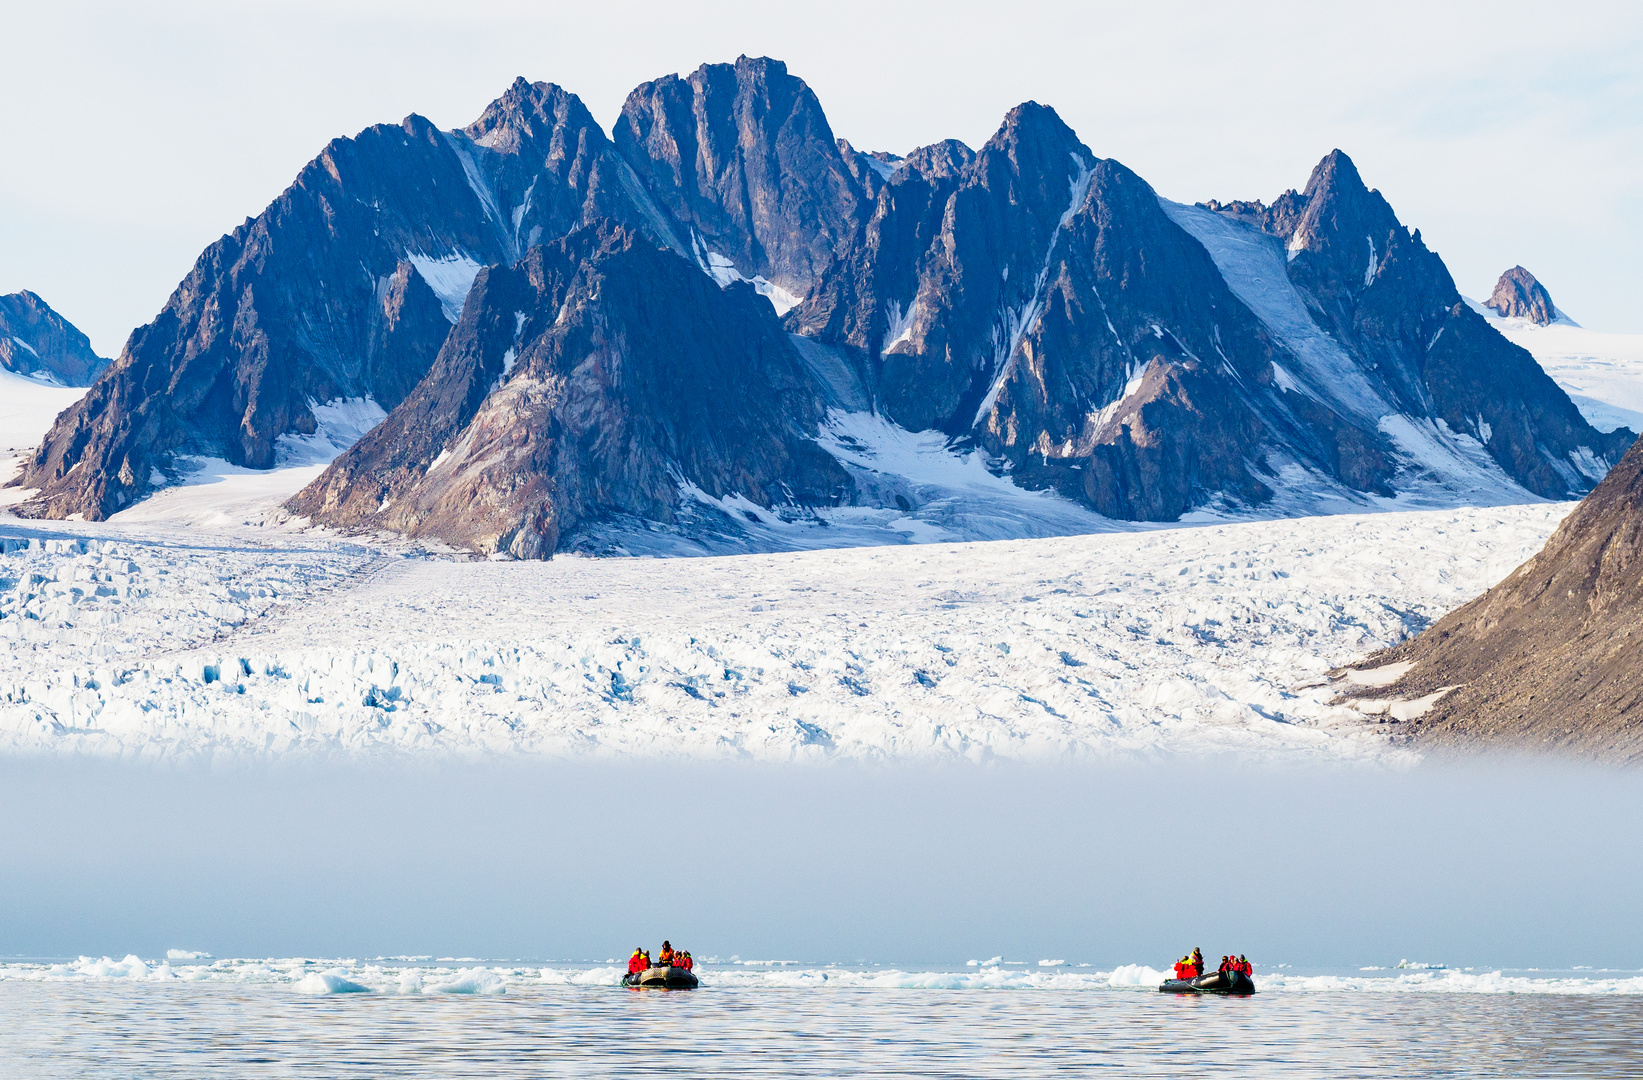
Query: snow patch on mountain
point(213, 492)
point(899, 323)
point(451, 277)
point(1252, 263)
point(723, 271)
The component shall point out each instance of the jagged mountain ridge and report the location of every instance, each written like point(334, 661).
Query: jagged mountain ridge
point(38, 343)
point(1029, 299)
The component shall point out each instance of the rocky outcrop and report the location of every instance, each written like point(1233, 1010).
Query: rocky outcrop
point(742, 157)
point(600, 377)
point(1518, 295)
point(37, 342)
point(1547, 659)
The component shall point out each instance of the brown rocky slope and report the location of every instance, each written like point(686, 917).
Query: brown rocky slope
point(1549, 659)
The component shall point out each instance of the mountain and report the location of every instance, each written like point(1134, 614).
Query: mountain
point(1518, 295)
point(690, 327)
point(1547, 659)
point(37, 342)
point(590, 380)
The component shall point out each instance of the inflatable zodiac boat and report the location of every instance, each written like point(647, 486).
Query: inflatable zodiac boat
point(662, 978)
point(1216, 982)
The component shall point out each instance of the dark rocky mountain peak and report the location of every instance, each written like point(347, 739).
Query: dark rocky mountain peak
point(742, 156)
point(1547, 659)
point(37, 342)
point(598, 378)
point(960, 264)
point(941, 160)
point(1518, 295)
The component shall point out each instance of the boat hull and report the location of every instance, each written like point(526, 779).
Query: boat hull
point(662, 978)
point(1215, 982)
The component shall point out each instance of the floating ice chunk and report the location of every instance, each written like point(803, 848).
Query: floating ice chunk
point(131, 967)
point(186, 954)
point(335, 981)
point(1135, 975)
point(469, 981)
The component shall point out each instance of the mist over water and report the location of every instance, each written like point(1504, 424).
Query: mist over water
point(1516, 864)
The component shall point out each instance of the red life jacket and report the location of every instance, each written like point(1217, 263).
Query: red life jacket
point(636, 964)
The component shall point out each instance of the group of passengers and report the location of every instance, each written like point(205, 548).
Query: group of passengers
point(668, 957)
point(1192, 965)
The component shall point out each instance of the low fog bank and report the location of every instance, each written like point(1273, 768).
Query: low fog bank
point(1516, 865)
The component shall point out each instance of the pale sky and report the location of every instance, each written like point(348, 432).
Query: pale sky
point(1507, 132)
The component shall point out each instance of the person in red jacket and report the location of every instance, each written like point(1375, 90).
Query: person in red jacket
point(686, 962)
point(1245, 966)
point(636, 962)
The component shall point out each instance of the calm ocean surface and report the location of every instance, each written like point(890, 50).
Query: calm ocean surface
point(175, 1027)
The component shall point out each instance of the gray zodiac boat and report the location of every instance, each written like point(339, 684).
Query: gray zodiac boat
point(662, 978)
point(1215, 982)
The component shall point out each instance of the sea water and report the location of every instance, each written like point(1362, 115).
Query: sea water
point(463, 1018)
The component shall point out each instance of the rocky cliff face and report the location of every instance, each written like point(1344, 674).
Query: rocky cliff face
point(598, 377)
point(1547, 659)
point(37, 342)
point(741, 156)
point(1029, 300)
point(1411, 345)
point(1518, 295)
point(345, 287)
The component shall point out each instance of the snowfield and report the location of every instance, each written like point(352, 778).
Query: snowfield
point(134, 643)
point(1602, 373)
